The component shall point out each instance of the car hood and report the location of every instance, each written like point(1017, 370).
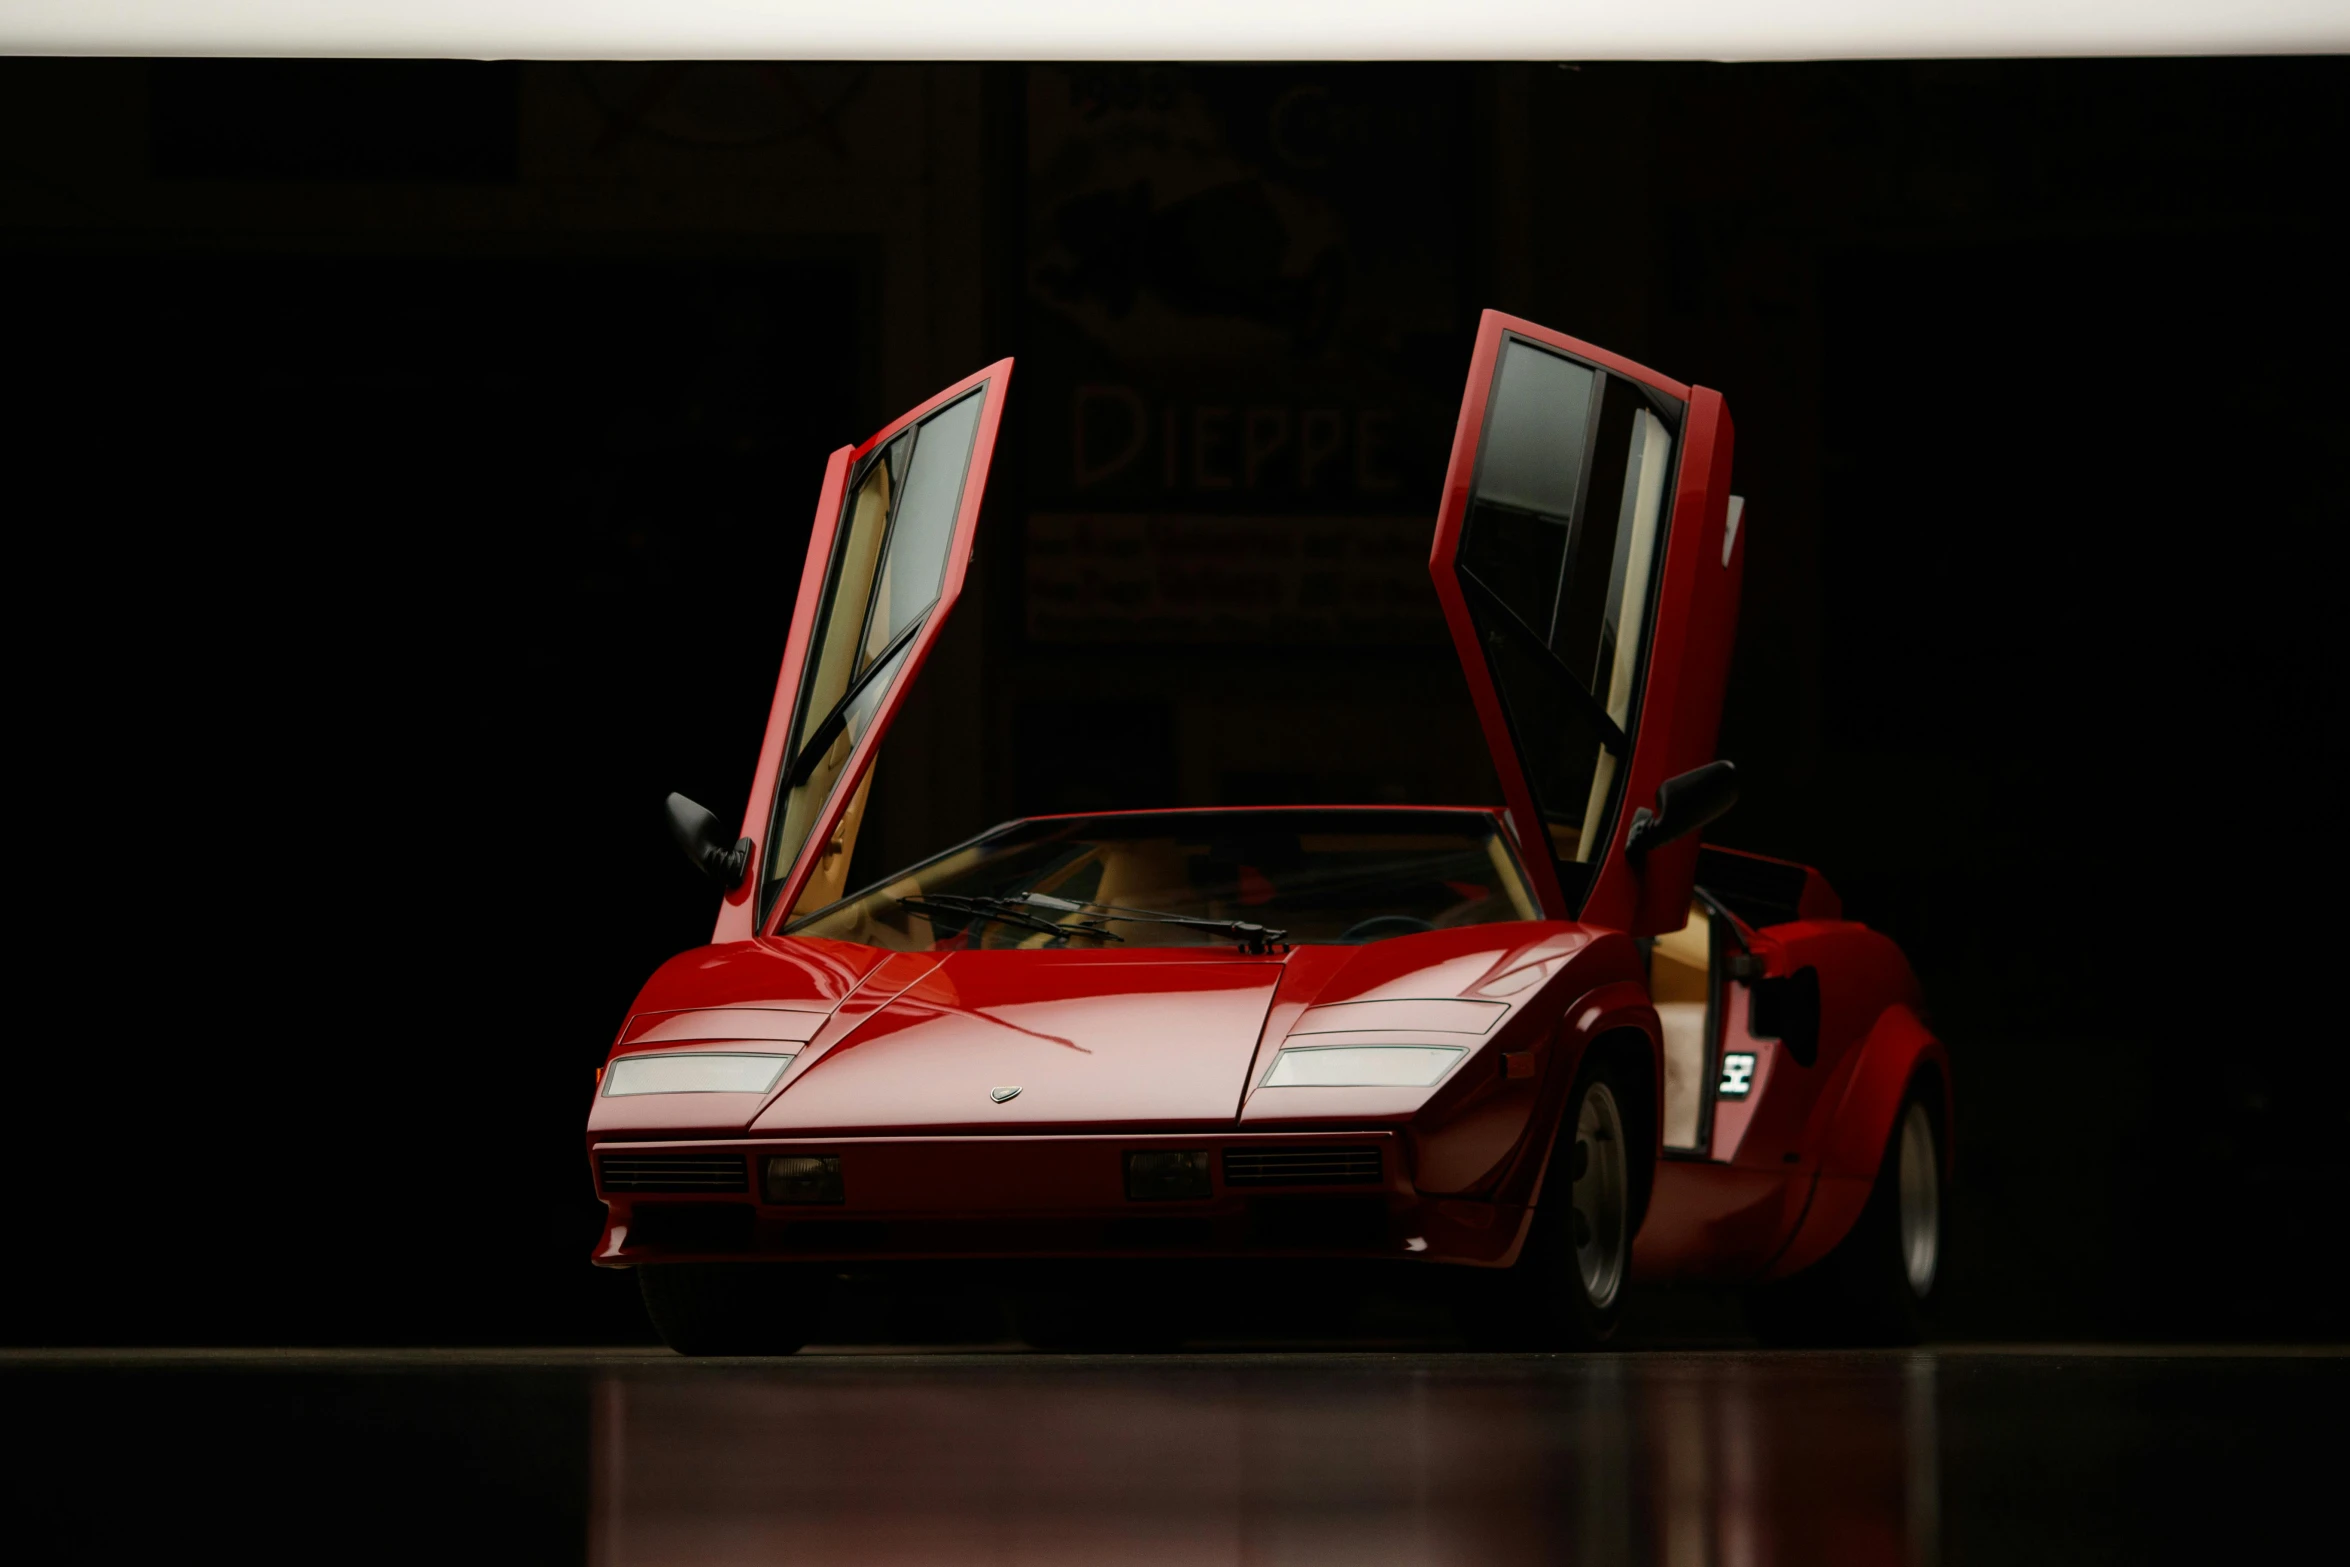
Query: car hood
point(919, 1043)
point(1024, 1040)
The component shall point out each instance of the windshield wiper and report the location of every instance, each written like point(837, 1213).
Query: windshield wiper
point(1010, 911)
point(1255, 939)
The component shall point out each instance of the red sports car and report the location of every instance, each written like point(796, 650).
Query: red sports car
point(1535, 1050)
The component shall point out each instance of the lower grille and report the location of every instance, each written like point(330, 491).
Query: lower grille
point(675, 1172)
point(1318, 1166)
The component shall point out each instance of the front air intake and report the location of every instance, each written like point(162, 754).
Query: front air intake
point(1314, 1166)
point(674, 1172)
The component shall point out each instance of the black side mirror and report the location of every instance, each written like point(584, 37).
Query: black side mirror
point(697, 832)
point(1683, 805)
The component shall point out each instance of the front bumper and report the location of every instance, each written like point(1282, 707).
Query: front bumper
point(1041, 1196)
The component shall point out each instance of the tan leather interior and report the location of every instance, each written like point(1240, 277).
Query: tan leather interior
point(1677, 967)
point(1644, 497)
point(835, 666)
point(1684, 1029)
point(1158, 872)
point(1137, 873)
point(1678, 982)
point(838, 659)
point(829, 880)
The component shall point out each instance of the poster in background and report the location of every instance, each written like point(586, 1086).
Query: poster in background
point(1245, 342)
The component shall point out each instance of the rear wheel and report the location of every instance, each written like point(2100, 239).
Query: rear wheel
point(1567, 1289)
point(731, 1308)
point(1878, 1285)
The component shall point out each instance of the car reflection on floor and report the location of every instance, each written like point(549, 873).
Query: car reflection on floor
point(1688, 1459)
point(1615, 1459)
point(1691, 1459)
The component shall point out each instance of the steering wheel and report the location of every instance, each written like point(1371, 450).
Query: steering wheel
point(1379, 925)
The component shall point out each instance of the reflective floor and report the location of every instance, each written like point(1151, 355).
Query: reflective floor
point(634, 1457)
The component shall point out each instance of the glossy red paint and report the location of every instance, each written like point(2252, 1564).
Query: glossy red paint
point(1147, 1044)
point(1792, 1164)
point(697, 1025)
point(1862, 976)
point(807, 973)
point(1712, 1223)
point(1852, 1135)
point(1145, 1041)
point(1059, 1196)
point(1616, 1007)
point(898, 1059)
point(1688, 672)
point(738, 913)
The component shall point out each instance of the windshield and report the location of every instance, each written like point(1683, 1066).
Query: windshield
point(1336, 877)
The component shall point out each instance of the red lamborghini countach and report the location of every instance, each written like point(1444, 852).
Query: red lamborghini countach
point(1539, 1049)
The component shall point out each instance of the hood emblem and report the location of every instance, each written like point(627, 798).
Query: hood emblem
point(999, 1095)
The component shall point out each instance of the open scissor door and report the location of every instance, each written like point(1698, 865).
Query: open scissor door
point(886, 559)
point(1588, 565)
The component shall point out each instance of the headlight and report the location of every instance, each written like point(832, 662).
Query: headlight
point(804, 1178)
point(1362, 1066)
point(1167, 1175)
point(698, 1072)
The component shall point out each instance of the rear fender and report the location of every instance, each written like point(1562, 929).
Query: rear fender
point(1850, 1139)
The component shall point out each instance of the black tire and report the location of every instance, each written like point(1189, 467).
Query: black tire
point(1875, 1287)
point(731, 1308)
point(1566, 1290)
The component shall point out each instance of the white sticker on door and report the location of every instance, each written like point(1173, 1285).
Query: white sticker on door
point(1737, 1074)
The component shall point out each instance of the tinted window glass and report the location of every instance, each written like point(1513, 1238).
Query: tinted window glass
point(856, 551)
point(1560, 746)
point(808, 788)
point(1534, 434)
point(1566, 518)
point(1605, 593)
point(1323, 876)
point(917, 559)
point(1640, 504)
point(1536, 427)
point(889, 558)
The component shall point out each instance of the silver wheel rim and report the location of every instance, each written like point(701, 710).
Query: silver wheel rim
point(1601, 1196)
point(1921, 1201)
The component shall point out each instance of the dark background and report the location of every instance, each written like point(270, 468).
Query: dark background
point(407, 469)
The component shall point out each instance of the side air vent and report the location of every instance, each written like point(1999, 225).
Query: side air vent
point(675, 1172)
point(1317, 1166)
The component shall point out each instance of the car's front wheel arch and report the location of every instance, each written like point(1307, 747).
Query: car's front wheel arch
point(1631, 1058)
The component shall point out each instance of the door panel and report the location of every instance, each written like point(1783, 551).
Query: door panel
point(885, 565)
point(1575, 503)
point(1687, 673)
point(1685, 982)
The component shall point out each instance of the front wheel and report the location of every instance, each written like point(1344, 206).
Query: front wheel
point(1878, 1285)
point(731, 1308)
point(1567, 1289)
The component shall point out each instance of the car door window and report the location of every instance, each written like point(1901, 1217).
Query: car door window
point(888, 561)
point(855, 563)
point(1564, 529)
point(916, 560)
